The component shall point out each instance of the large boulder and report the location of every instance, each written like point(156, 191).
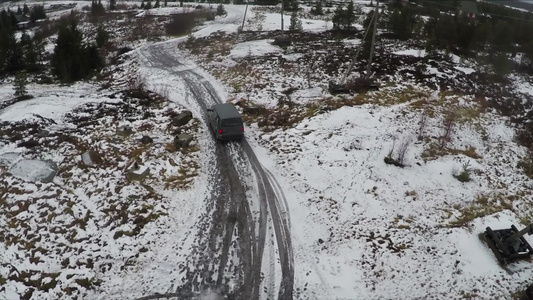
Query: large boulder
point(35, 170)
point(146, 139)
point(8, 159)
point(183, 140)
point(182, 119)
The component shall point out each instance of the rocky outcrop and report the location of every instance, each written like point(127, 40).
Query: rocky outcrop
point(146, 139)
point(182, 119)
point(182, 140)
point(35, 170)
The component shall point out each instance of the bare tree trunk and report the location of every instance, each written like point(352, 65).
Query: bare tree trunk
point(403, 149)
point(449, 123)
point(422, 125)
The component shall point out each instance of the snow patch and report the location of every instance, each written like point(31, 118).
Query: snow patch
point(254, 48)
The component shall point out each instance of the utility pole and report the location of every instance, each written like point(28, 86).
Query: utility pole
point(281, 17)
point(343, 79)
point(244, 18)
point(376, 16)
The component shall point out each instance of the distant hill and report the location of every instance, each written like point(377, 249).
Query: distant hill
point(523, 4)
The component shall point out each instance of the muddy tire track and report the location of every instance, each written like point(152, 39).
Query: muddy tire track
point(229, 214)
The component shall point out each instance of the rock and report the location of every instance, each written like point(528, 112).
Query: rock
point(282, 41)
point(86, 159)
point(7, 159)
point(146, 139)
point(124, 130)
point(91, 158)
point(42, 133)
point(529, 292)
point(137, 173)
point(182, 119)
point(35, 170)
point(254, 111)
point(182, 140)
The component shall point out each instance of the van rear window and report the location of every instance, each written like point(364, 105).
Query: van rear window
point(233, 122)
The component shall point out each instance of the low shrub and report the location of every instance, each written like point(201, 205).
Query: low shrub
point(181, 24)
point(464, 175)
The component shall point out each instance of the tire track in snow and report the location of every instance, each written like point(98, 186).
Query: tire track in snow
point(231, 208)
point(280, 223)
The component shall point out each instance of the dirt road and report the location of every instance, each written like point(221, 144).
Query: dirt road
point(229, 228)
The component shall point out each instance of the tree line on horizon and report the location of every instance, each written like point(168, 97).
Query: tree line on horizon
point(494, 37)
point(73, 57)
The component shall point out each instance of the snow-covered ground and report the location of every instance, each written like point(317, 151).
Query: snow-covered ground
point(361, 229)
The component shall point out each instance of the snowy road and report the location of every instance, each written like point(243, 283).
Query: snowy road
point(233, 230)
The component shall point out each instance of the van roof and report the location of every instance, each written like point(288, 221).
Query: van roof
point(226, 110)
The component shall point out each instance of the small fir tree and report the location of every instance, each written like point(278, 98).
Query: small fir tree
point(296, 23)
point(102, 36)
point(20, 86)
point(349, 15)
point(338, 17)
point(221, 10)
point(317, 10)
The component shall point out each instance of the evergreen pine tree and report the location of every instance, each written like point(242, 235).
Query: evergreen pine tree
point(30, 55)
point(528, 51)
point(102, 36)
point(296, 23)
point(14, 58)
point(338, 18)
point(20, 86)
point(501, 64)
point(156, 5)
point(317, 10)
point(148, 5)
point(349, 15)
point(221, 10)
point(66, 60)
point(37, 13)
point(26, 9)
point(294, 5)
point(286, 4)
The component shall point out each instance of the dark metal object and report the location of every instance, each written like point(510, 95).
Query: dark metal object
point(509, 245)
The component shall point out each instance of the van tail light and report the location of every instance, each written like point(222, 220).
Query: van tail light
point(242, 129)
point(220, 131)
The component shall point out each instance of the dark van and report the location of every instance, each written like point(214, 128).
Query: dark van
point(226, 122)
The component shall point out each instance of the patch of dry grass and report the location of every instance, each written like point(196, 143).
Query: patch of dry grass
point(183, 178)
point(433, 151)
point(483, 205)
